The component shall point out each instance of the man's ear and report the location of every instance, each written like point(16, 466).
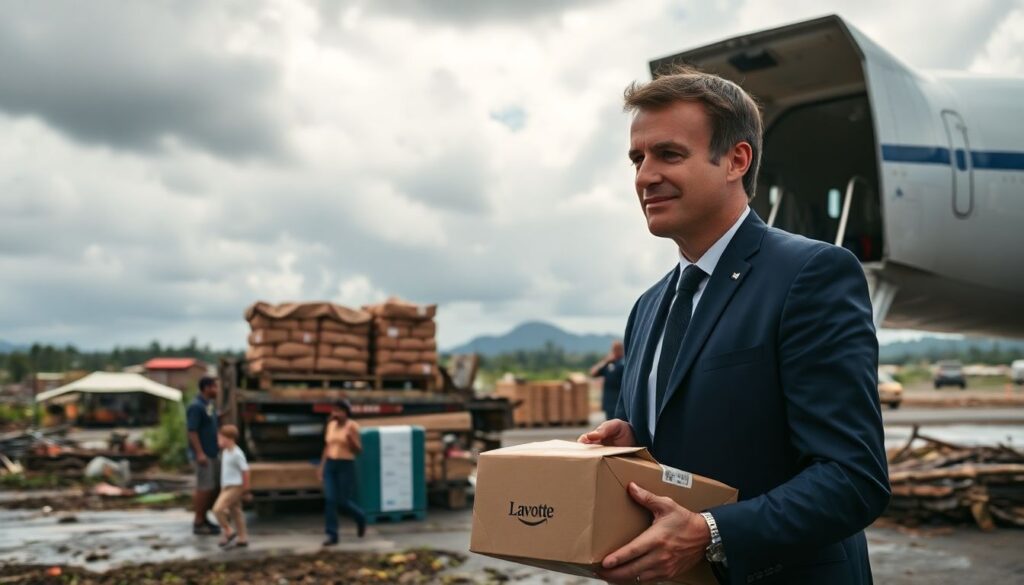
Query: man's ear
point(739, 158)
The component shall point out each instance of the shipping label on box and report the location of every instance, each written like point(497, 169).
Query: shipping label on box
point(580, 511)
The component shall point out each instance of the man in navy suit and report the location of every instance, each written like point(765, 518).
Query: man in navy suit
point(753, 361)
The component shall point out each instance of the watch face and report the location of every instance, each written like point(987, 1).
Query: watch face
point(716, 553)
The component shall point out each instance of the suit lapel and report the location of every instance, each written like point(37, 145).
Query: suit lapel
point(716, 296)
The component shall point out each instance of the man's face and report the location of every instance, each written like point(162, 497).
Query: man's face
point(211, 391)
point(617, 350)
point(678, 186)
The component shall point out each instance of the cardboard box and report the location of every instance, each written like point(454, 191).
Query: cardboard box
point(442, 422)
point(581, 396)
point(563, 506)
point(516, 392)
point(283, 475)
point(567, 396)
point(581, 393)
point(552, 392)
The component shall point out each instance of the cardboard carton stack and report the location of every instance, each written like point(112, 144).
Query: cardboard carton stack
point(320, 337)
point(580, 398)
point(404, 338)
point(547, 402)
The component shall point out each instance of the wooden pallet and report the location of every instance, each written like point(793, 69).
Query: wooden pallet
point(407, 382)
point(269, 380)
point(290, 494)
point(533, 425)
point(449, 495)
point(310, 380)
point(378, 517)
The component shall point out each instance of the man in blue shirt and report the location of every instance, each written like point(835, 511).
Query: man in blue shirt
point(201, 421)
point(610, 368)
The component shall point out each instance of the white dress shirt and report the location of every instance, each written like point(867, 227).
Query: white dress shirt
point(707, 263)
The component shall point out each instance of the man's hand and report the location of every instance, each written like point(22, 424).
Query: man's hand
point(613, 433)
point(202, 459)
point(320, 473)
point(674, 543)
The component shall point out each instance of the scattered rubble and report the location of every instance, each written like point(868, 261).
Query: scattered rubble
point(935, 482)
point(411, 567)
point(115, 477)
point(16, 444)
point(81, 500)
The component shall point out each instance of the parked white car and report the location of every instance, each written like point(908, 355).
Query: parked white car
point(1017, 372)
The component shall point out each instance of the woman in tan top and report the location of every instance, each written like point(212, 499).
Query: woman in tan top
point(337, 470)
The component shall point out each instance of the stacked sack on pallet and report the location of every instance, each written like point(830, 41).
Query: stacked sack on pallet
point(404, 338)
point(317, 337)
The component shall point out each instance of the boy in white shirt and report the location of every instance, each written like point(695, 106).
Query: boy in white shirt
point(234, 487)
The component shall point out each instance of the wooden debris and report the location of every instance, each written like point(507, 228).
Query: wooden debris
point(935, 482)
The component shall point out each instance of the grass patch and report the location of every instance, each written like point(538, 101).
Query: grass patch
point(14, 413)
point(32, 481)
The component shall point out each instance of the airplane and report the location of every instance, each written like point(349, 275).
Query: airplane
point(919, 173)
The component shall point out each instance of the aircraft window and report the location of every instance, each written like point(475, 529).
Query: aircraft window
point(833, 203)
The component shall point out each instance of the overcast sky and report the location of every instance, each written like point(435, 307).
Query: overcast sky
point(165, 164)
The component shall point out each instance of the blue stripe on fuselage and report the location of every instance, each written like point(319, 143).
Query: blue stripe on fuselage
point(937, 155)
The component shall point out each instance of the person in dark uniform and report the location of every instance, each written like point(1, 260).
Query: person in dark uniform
point(201, 422)
point(610, 368)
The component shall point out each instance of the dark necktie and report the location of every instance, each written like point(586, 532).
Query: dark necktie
point(675, 326)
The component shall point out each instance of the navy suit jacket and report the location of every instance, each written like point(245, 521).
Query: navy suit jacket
point(774, 392)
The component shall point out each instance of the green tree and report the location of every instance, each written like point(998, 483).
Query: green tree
point(170, 439)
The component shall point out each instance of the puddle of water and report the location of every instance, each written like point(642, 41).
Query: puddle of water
point(915, 558)
point(109, 538)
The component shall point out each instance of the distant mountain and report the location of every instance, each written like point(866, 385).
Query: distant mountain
point(535, 335)
point(6, 347)
point(936, 348)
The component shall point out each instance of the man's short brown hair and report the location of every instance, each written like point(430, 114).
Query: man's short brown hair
point(229, 431)
point(734, 115)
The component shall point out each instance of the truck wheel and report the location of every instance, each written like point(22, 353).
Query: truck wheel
point(894, 405)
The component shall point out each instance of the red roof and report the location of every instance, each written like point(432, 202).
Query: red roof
point(171, 363)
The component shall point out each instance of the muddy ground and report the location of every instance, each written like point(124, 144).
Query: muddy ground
point(286, 549)
point(95, 539)
point(407, 567)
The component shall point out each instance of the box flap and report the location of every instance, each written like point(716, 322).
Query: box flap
point(559, 448)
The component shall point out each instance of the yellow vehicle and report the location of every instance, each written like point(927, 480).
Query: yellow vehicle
point(889, 390)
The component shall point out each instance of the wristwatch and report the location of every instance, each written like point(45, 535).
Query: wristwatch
point(715, 552)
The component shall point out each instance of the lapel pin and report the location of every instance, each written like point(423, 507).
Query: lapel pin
point(735, 275)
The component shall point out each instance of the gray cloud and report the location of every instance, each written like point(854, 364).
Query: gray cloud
point(134, 77)
point(456, 179)
point(400, 180)
point(462, 12)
